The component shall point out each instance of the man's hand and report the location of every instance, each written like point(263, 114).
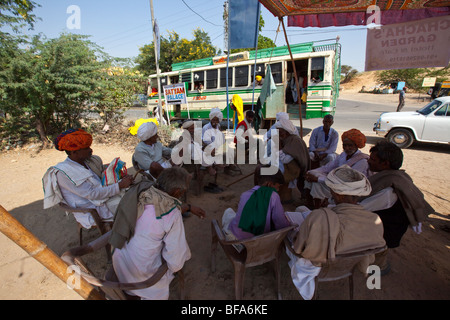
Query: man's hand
point(155, 169)
point(126, 181)
point(310, 177)
point(199, 212)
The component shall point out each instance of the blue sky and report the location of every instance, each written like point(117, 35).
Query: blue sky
point(121, 27)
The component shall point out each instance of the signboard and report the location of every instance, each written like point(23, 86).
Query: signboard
point(236, 57)
point(417, 44)
point(175, 94)
point(445, 84)
point(429, 82)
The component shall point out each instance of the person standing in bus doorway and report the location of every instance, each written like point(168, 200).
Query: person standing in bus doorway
point(238, 106)
point(401, 99)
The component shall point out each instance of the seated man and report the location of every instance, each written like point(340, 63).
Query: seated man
point(323, 142)
point(394, 197)
point(211, 131)
point(195, 149)
point(259, 210)
point(214, 139)
point(242, 127)
point(268, 136)
point(352, 141)
point(294, 159)
point(158, 235)
point(150, 155)
point(327, 232)
point(77, 180)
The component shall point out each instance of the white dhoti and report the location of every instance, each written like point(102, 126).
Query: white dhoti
point(319, 190)
point(303, 273)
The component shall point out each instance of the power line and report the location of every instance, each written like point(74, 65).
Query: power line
point(200, 15)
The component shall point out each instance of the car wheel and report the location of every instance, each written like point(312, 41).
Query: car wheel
point(402, 138)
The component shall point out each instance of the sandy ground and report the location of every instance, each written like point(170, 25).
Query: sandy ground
point(420, 266)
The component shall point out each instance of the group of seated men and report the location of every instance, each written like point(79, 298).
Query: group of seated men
point(367, 202)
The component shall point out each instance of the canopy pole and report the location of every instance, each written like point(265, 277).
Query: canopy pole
point(155, 42)
point(228, 101)
point(256, 55)
point(296, 79)
point(37, 249)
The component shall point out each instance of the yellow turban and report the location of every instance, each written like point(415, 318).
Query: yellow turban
point(133, 130)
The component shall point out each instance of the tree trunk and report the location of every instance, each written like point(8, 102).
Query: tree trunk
point(42, 134)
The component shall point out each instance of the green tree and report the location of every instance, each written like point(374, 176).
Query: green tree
point(55, 83)
point(412, 77)
point(117, 86)
point(347, 73)
point(15, 14)
point(174, 50)
point(49, 84)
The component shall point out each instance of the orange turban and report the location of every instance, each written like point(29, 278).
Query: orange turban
point(72, 140)
point(356, 136)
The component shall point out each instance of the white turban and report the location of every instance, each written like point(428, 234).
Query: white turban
point(347, 181)
point(147, 130)
point(215, 112)
point(287, 125)
point(187, 124)
point(282, 115)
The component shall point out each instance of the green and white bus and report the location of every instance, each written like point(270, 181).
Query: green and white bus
point(205, 82)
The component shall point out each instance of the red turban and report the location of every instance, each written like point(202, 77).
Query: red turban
point(72, 140)
point(356, 136)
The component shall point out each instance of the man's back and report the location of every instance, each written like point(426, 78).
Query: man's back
point(275, 214)
point(153, 240)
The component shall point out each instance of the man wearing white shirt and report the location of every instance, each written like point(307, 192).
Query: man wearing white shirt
point(150, 155)
point(352, 141)
point(159, 236)
point(323, 142)
point(77, 180)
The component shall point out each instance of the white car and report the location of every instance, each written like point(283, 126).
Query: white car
point(429, 124)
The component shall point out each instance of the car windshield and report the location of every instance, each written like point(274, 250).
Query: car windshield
point(433, 105)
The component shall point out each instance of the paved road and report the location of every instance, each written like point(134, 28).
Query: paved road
point(355, 114)
point(349, 114)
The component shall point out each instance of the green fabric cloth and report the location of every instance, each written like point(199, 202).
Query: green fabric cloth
point(253, 217)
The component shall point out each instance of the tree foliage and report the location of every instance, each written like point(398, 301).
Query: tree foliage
point(53, 85)
point(174, 50)
point(413, 78)
point(15, 14)
point(347, 73)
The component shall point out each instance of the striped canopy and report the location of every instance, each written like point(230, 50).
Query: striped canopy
point(325, 13)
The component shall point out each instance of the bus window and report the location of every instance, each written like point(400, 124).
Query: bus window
point(163, 82)
point(174, 79)
point(223, 75)
point(260, 70)
point(276, 72)
point(241, 76)
point(186, 77)
point(211, 79)
point(317, 68)
point(153, 87)
point(199, 80)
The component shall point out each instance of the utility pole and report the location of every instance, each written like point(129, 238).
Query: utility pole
point(155, 42)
